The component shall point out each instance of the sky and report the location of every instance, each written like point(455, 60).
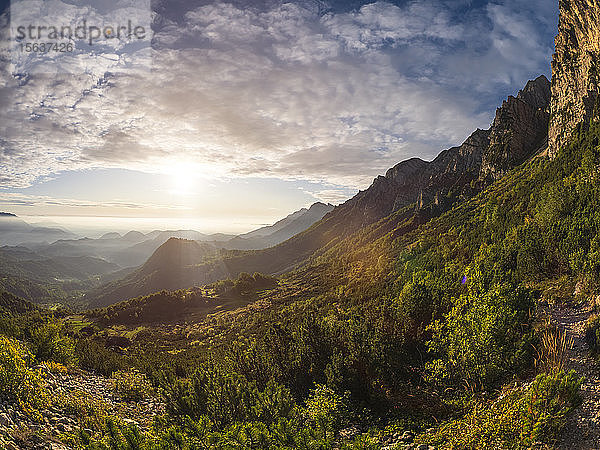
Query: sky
point(231, 115)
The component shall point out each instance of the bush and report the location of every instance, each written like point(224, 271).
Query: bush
point(226, 397)
point(518, 419)
point(96, 358)
point(49, 343)
point(117, 435)
point(131, 385)
point(18, 382)
point(548, 401)
point(327, 408)
point(486, 336)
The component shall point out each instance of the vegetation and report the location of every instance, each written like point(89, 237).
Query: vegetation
point(405, 324)
point(49, 343)
point(19, 382)
point(131, 385)
point(519, 419)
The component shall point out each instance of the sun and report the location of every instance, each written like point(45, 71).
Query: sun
point(183, 179)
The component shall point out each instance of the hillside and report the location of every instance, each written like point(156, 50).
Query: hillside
point(281, 231)
point(12, 305)
point(172, 266)
point(186, 306)
point(40, 278)
point(413, 189)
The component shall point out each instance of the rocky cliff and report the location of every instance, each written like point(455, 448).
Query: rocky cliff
point(575, 70)
point(519, 131)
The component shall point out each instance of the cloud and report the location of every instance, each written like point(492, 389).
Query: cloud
point(333, 196)
point(276, 92)
point(10, 199)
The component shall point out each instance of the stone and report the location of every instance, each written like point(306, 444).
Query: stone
point(519, 130)
point(575, 70)
point(5, 420)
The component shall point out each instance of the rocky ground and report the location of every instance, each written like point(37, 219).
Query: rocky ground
point(18, 432)
point(583, 427)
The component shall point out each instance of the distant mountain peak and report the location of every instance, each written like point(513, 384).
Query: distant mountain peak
point(6, 214)
point(111, 235)
point(178, 252)
point(319, 205)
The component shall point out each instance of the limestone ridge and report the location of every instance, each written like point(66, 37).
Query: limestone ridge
point(518, 132)
point(575, 70)
point(520, 129)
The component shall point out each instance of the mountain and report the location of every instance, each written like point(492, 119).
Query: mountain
point(412, 192)
point(269, 229)
point(419, 189)
point(134, 236)
point(185, 234)
point(112, 235)
point(129, 250)
point(452, 316)
point(134, 248)
point(172, 266)
point(575, 71)
point(15, 231)
point(280, 231)
point(519, 131)
point(40, 278)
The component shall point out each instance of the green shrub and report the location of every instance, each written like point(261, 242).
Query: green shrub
point(117, 435)
point(518, 419)
point(547, 402)
point(486, 336)
point(96, 358)
point(49, 343)
point(131, 385)
point(226, 397)
point(20, 383)
point(327, 408)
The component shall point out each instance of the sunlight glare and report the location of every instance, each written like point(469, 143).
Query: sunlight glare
point(183, 179)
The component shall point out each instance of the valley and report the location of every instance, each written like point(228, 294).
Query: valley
point(453, 304)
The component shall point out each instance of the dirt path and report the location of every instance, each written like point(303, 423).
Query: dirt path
point(583, 428)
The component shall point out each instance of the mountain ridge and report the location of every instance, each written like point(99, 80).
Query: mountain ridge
point(419, 188)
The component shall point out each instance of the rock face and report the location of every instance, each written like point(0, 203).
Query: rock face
point(575, 70)
point(519, 131)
